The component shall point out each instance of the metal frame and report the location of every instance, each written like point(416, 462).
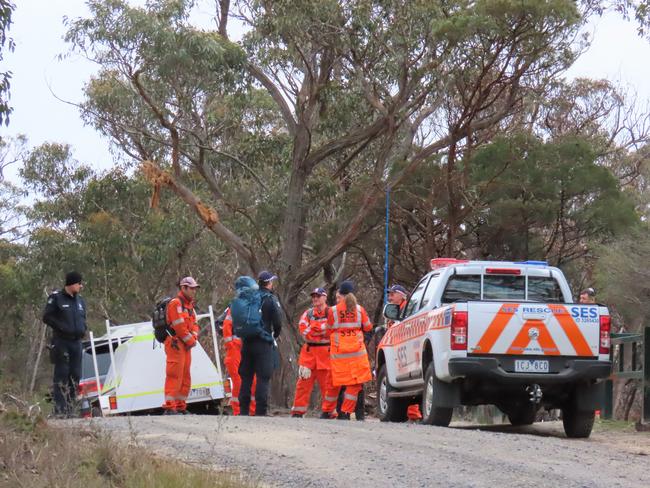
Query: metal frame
point(639, 346)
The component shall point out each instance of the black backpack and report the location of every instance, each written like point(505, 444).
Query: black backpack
point(161, 329)
point(218, 322)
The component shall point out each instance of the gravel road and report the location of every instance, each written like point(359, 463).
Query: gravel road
point(281, 451)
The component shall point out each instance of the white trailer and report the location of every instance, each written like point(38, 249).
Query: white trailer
point(136, 377)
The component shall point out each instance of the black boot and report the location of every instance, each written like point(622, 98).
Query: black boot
point(344, 416)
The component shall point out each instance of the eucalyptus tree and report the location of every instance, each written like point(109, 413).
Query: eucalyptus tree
point(6, 12)
point(284, 143)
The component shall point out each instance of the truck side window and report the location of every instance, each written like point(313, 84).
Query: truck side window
point(416, 297)
point(543, 289)
point(430, 291)
point(462, 288)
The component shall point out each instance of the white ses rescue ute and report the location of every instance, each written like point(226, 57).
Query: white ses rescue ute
point(502, 333)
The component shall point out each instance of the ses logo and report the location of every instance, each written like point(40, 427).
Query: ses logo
point(584, 313)
point(579, 313)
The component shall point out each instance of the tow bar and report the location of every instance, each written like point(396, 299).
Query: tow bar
point(535, 392)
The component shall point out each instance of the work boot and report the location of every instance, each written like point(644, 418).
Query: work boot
point(296, 415)
point(344, 416)
point(327, 415)
point(183, 412)
point(171, 412)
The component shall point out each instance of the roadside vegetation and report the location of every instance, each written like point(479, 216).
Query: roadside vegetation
point(34, 454)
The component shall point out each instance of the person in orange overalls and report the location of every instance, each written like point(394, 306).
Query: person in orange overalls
point(346, 322)
point(397, 294)
point(181, 317)
point(314, 360)
point(232, 360)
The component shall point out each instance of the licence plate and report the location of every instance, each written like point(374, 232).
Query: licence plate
point(200, 392)
point(531, 366)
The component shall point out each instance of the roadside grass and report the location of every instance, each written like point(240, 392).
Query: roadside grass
point(604, 425)
point(36, 454)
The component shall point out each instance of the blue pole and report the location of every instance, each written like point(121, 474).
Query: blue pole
point(386, 246)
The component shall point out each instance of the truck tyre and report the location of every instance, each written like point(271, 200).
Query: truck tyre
point(577, 424)
point(432, 415)
point(522, 414)
point(389, 409)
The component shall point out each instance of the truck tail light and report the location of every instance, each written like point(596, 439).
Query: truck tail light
point(605, 329)
point(112, 402)
point(459, 331)
point(87, 387)
point(503, 271)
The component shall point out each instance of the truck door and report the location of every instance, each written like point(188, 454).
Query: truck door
point(407, 348)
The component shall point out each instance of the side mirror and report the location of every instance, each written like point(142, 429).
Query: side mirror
point(392, 311)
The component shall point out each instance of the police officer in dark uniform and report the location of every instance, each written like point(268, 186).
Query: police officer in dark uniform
point(258, 355)
point(65, 313)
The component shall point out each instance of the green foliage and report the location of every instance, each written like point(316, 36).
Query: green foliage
point(538, 199)
point(7, 8)
point(623, 278)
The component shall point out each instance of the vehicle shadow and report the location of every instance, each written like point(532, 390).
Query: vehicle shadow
point(539, 429)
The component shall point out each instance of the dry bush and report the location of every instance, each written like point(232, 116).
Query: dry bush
point(34, 454)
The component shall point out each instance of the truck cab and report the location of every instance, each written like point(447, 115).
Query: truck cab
point(493, 332)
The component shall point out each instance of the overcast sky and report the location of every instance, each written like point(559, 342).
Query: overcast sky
point(616, 54)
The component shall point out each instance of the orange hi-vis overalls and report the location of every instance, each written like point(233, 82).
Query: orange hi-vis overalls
point(233, 344)
point(315, 355)
point(413, 411)
point(348, 356)
point(182, 320)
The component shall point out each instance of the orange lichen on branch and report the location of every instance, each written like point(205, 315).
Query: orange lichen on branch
point(207, 214)
point(157, 178)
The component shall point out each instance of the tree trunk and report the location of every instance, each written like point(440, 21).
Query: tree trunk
point(37, 362)
point(452, 204)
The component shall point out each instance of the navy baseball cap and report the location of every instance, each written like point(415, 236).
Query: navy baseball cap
point(319, 291)
point(346, 287)
point(266, 276)
point(398, 289)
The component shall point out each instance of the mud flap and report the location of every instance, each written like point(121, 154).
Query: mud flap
point(447, 394)
point(588, 397)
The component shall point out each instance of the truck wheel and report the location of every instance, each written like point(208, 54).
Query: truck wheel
point(577, 424)
point(389, 409)
point(522, 414)
point(432, 415)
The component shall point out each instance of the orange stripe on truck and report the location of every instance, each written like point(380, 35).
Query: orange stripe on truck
point(546, 342)
point(571, 330)
point(494, 330)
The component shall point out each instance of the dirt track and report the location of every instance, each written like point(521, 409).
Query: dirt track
point(280, 451)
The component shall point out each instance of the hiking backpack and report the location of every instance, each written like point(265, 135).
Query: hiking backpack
point(161, 329)
point(246, 310)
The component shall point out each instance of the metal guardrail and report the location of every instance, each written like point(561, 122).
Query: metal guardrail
point(637, 348)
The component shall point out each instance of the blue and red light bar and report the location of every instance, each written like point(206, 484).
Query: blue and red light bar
point(444, 262)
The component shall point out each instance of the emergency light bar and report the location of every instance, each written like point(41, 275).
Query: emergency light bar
point(533, 263)
point(444, 262)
